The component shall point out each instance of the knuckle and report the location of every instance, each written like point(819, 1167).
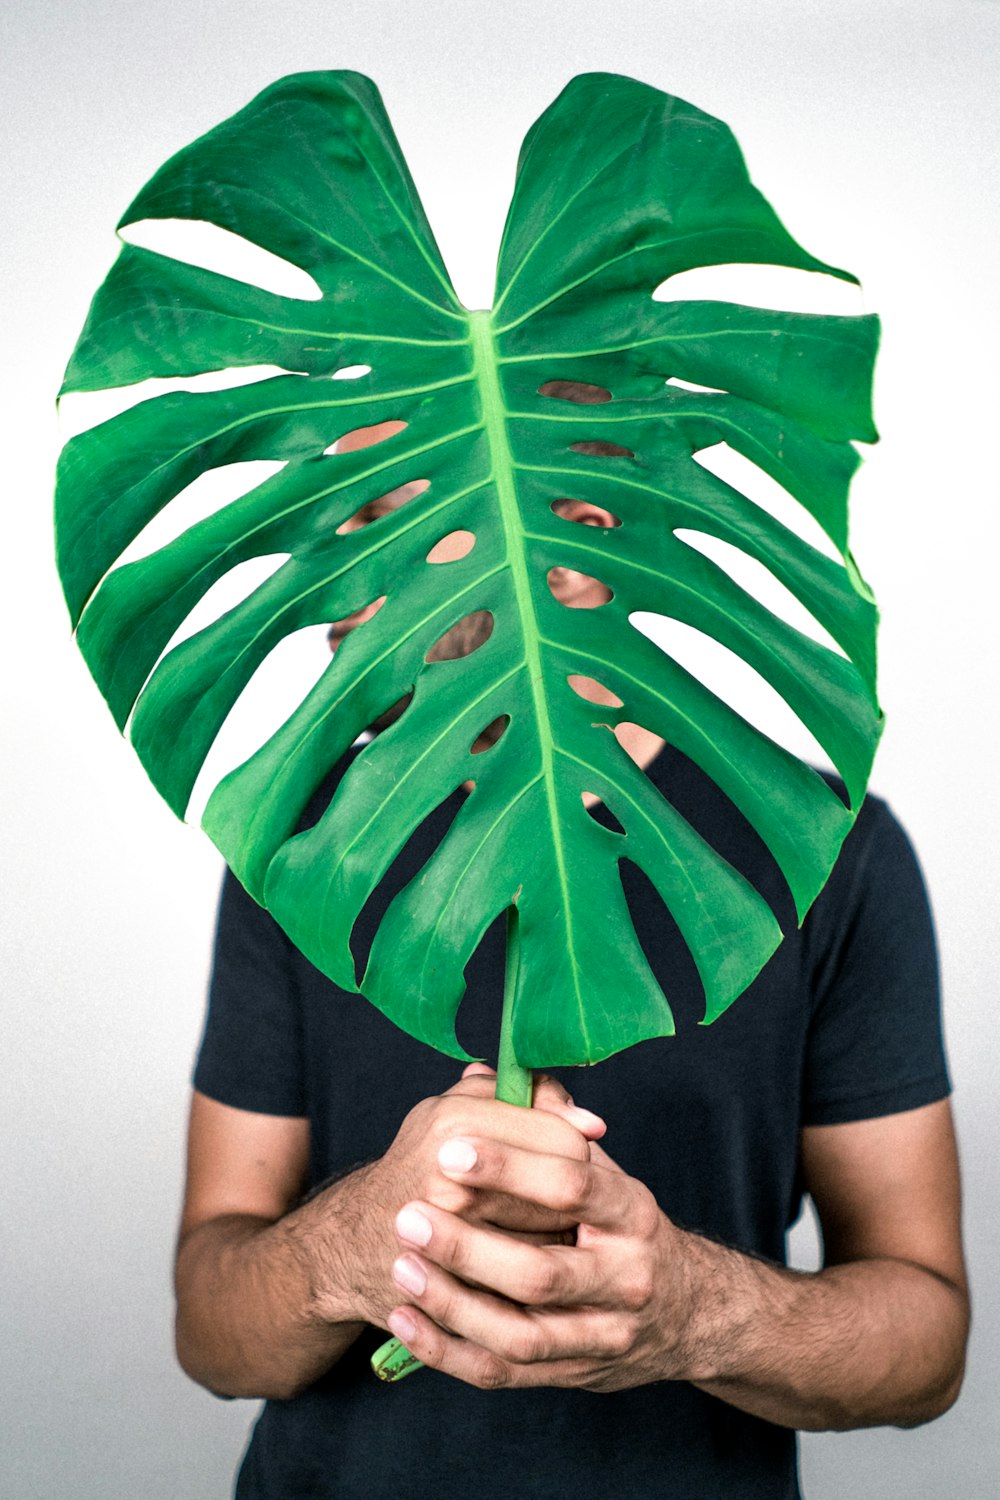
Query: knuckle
point(636, 1290)
point(442, 1307)
point(456, 1251)
point(547, 1087)
point(564, 1139)
point(439, 1111)
point(529, 1345)
point(646, 1214)
point(620, 1338)
point(450, 1196)
point(543, 1280)
point(449, 1116)
point(569, 1194)
point(490, 1374)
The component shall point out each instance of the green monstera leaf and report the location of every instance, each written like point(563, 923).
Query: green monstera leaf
point(514, 421)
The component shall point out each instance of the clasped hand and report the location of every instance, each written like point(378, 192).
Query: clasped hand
point(609, 1309)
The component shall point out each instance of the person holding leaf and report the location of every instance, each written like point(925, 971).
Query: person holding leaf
point(632, 1246)
point(508, 1248)
point(501, 786)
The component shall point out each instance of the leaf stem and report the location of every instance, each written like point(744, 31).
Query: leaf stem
point(392, 1360)
point(514, 1083)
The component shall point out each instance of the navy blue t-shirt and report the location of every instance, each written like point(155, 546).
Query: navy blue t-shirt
point(842, 1024)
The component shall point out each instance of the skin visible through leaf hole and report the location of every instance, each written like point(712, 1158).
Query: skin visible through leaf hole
point(577, 590)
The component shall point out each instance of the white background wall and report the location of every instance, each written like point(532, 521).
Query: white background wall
point(873, 129)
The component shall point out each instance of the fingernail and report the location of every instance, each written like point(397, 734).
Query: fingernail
point(585, 1119)
point(402, 1326)
point(409, 1275)
point(457, 1156)
point(411, 1225)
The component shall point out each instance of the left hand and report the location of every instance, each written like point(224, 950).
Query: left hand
point(615, 1309)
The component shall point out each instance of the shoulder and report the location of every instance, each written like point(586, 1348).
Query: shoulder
point(877, 865)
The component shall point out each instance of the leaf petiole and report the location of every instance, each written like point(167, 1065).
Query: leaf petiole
point(392, 1360)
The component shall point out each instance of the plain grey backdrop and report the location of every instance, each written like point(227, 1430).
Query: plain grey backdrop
point(873, 128)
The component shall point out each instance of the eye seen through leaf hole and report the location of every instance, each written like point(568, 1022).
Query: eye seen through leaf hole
point(373, 510)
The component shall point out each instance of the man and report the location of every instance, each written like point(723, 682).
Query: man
point(634, 1252)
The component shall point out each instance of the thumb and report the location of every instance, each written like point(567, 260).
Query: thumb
point(550, 1095)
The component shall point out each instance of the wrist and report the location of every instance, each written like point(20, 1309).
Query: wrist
point(721, 1294)
point(331, 1238)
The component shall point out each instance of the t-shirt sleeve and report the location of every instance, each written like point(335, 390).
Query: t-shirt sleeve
point(875, 1045)
point(251, 1053)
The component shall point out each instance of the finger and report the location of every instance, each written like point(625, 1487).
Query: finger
point(467, 1361)
point(587, 1191)
point(485, 1340)
point(478, 1070)
point(549, 1094)
point(531, 1274)
point(514, 1216)
point(544, 1084)
point(478, 1084)
point(469, 1107)
point(519, 1336)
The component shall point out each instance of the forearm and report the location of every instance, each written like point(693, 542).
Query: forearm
point(264, 1308)
point(862, 1344)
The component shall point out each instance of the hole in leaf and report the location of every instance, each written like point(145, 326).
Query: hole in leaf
point(733, 680)
point(592, 691)
point(758, 581)
point(225, 594)
point(81, 410)
point(351, 372)
point(284, 678)
point(784, 287)
point(751, 480)
point(600, 813)
point(200, 243)
point(204, 496)
point(690, 385)
point(453, 547)
point(575, 390)
point(664, 947)
point(365, 437)
point(338, 630)
point(584, 513)
point(490, 735)
point(641, 745)
point(598, 448)
point(389, 716)
point(373, 510)
point(419, 848)
point(464, 637)
point(578, 590)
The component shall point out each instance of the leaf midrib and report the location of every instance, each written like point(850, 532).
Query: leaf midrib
point(485, 365)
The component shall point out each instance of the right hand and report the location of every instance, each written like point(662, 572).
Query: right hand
point(352, 1235)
